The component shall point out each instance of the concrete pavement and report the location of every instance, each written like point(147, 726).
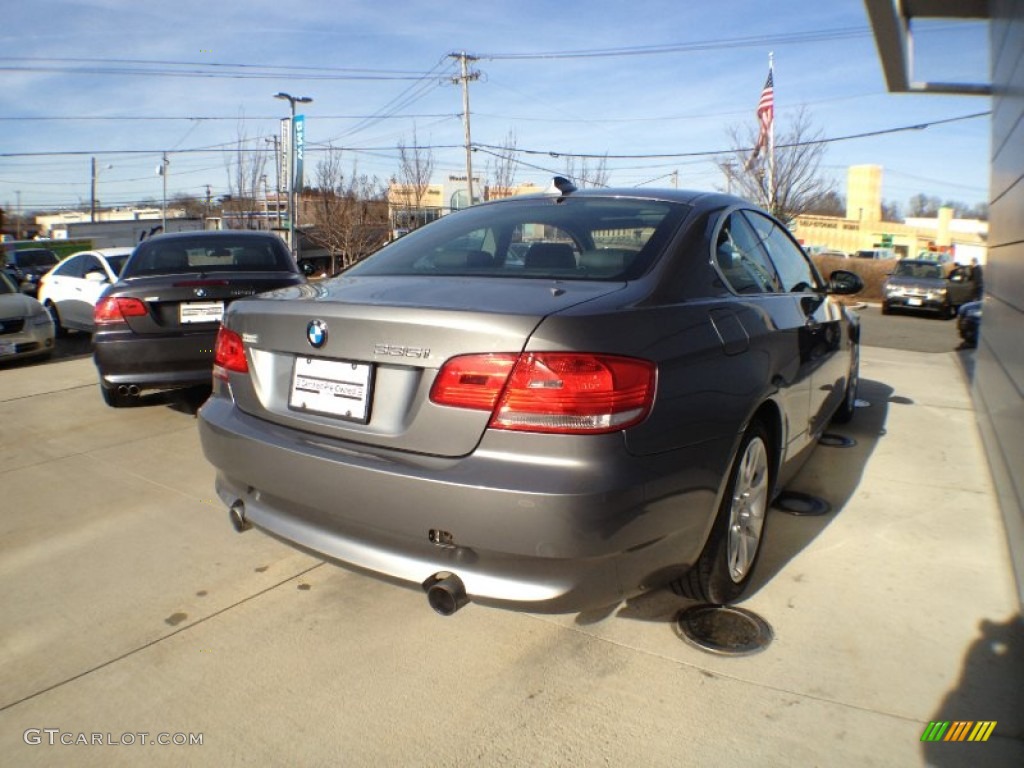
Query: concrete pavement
point(128, 605)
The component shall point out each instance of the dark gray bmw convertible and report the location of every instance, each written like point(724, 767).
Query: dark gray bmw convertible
point(548, 402)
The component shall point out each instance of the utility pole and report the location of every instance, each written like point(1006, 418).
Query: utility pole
point(162, 170)
point(209, 191)
point(17, 231)
point(277, 178)
point(464, 59)
point(92, 196)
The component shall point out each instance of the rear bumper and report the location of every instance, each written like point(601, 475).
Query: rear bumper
point(543, 535)
point(917, 304)
point(153, 362)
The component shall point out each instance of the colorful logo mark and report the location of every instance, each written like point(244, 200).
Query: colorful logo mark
point(958, 730)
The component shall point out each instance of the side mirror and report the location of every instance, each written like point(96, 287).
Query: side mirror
point(844, 283)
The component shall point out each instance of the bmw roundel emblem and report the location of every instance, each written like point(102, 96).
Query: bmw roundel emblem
point(200, 293)
point(316, 333)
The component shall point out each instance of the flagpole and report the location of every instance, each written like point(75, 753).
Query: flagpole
point(771, 142)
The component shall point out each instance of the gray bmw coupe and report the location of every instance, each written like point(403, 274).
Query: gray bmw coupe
point(548, 402)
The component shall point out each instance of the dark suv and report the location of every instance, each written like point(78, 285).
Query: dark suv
point(26, 266)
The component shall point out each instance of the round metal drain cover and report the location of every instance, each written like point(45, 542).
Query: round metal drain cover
point(833, 440)
point(724, 629)
point(797, 503)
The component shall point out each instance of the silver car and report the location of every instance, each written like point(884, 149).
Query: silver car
point(549, 402)
point(26, 329)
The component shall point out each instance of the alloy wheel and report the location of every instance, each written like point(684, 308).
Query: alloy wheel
point(749, 505)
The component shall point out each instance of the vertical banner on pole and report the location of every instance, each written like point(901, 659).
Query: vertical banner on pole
point(300, 145)
point(284, 158)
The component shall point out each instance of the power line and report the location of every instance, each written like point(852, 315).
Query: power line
point(164, 68)
point(841, 33)
point(707, 153)
point(752, 41)
point(120, 118)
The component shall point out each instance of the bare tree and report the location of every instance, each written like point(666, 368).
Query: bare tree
point(584, 174)
point(415, 167)
point(502, 171)
point(348, 215)
point(246, 168)
point(797, 185)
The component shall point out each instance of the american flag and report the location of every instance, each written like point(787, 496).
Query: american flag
point(765, 114)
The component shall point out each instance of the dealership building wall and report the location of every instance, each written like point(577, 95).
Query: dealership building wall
point(998, 386)
point(998, 377)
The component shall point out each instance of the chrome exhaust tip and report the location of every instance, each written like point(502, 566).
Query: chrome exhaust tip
point(237, 515)
point(445, 593)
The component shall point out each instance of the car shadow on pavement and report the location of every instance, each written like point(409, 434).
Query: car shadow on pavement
point(831, 473)
point(989, 690)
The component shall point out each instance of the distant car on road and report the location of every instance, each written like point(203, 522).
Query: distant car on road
point(917, 285)
point(26, 329)
point(155, 327)
point(71, 289)
point(27, 265)
point(546, 402)
point(875, 253)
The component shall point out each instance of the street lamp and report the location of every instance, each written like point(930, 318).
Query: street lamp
point(292, 212)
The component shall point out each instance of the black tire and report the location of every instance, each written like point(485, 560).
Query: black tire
point(58, 328)
point(849, 405)
point(114, 400)
point(723, 570)
point(886, 309)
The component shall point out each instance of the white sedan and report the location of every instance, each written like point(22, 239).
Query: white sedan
point(71, 289)
point(26, 329)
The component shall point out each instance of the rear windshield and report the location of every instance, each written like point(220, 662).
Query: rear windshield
point(37, 258)
point(919, 270)
point(209, 254)
point(582, 238)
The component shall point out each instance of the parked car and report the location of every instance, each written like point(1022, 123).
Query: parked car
point(875, 253)
point(71, 289)
point(969, 323)
point(155, 327)
point(918, 285)
point(25, 326)
point(26, 266)
point(612, 413)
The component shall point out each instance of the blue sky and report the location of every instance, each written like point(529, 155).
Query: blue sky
point(67, 60)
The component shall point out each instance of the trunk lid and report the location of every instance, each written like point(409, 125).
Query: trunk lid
point(384, 340)
point(193, 302)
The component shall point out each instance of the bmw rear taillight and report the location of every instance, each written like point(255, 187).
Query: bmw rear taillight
point(472, 381)
point(228, 355)
point(117, 309)
point(557, 392)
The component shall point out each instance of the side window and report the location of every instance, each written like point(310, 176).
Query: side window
point(92, 264)
point(73, 267)
point(795, 269)
point(741, 260)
